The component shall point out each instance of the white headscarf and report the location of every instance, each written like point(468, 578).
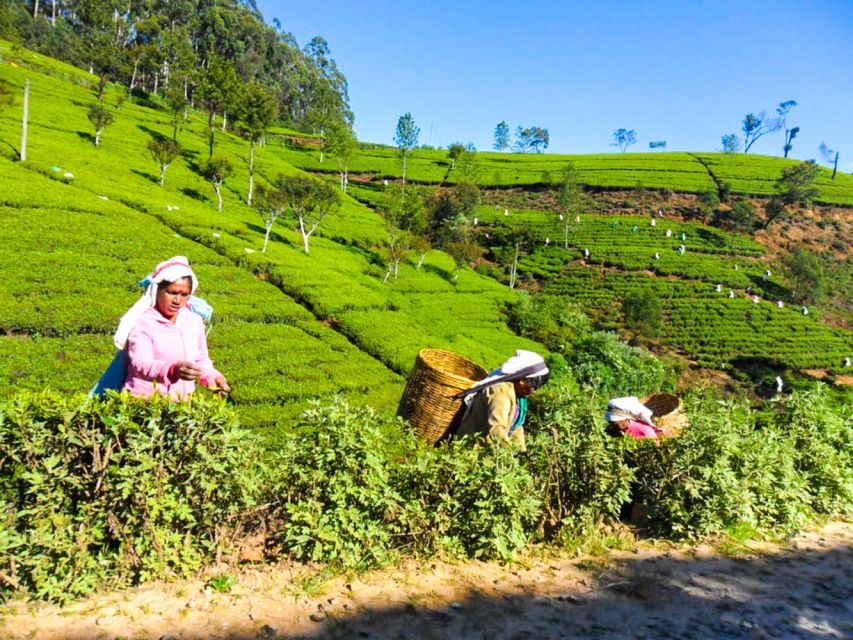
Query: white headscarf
point(524, 364)
point(173, 269)
point(628, 408)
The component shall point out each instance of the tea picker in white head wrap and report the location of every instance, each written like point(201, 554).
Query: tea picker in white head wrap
point(497, 405)
point(170, 270)
point(174, 269)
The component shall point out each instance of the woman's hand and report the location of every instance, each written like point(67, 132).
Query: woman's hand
point(185, 370)
point(220, 386)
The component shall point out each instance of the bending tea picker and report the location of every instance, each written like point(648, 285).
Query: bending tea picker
point(162, 339)
point(630, 418)
point(496, 406)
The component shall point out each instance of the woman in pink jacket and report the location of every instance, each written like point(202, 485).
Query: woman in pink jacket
point(165, 340)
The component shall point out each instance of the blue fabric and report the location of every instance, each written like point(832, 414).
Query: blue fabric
point(521, 415)
point(113, 377)
point(201, 308)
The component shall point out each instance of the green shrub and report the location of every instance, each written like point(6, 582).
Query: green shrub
point(579, 471)
point(116, 491)
point(471, 501)
point(726, 471)
point(615, 368)
point(822, 437)
point(358, 489)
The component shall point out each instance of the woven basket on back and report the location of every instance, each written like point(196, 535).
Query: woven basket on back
point(661, 404)
point(427, 401)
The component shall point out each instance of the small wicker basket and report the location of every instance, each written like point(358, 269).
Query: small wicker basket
point(427, 401)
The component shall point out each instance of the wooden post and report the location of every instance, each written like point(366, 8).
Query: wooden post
point(24, 121)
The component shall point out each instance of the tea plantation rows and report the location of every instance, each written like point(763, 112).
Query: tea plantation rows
point(288, 327)
point(748, 174)
point(708, 326)
point(82, 225)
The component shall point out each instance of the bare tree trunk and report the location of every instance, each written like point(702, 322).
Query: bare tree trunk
point(267, 235)
point(133, 75)
point(156, 82)
point(566, 230)
point(420, 261)
point(98, 137)
point(24, 119)
point(210, 125)
point(251, 171)
point(835, 166)
point(35, 9)
point(404, 172)
point(514, 270)
point(216, 186)
point(53, 17)
point(304, 235)
point(224, 120)
point(163, 166)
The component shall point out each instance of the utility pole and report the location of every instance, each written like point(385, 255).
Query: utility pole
point(24, 121)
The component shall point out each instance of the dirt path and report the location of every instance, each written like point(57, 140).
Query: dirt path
point(800, 590)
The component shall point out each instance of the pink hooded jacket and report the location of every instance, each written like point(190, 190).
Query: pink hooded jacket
point(155, 344)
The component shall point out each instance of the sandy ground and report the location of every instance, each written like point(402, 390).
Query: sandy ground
point(803, 589)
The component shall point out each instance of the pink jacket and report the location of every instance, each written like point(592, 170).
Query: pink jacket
point(640, 430)
point(155, 344)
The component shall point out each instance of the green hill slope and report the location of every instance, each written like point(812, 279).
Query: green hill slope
point(681, 172)
point(287, 328)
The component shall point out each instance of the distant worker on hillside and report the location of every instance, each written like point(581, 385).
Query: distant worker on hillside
point(630, 418)
point(496, 406)
point(165, 338)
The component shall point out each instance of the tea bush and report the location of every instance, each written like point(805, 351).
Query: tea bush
point(117, 491)
point(579, 469)
point(356, 490)
point(727, 469)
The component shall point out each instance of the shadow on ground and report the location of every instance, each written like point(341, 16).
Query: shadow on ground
point(797, 594)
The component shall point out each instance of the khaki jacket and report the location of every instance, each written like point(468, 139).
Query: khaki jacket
point(491, 414)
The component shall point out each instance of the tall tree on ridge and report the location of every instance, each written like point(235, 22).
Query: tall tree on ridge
point(569, 198)
point(406, 139)
point(218, 90)
point(257, 113)
point(756, 126)
point(782, 111)
point(340, 141)
point(831, 156)
point(501, 136)
point(624, 138)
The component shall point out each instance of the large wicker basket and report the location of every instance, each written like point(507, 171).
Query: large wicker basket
point(427, 401)
point(667, 413)
point(661, 404)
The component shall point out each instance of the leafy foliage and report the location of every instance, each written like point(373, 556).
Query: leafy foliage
point(726, 469)
point(101, 118)
point(642, 312)
point(117, 491)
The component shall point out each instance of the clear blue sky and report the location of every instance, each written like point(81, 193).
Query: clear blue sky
point(684, 72)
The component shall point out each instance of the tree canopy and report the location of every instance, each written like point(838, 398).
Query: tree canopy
point(157, 45)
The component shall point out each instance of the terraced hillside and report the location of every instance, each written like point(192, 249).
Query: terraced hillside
point(684, 172)
point(80, 225)
point(720, 308)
